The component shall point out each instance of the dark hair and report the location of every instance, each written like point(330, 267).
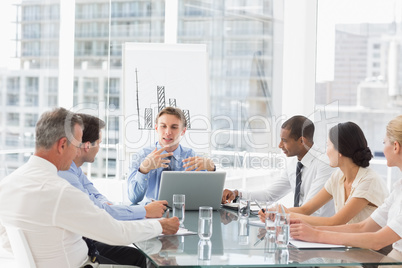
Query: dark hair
point(349, 140)
point(299, 126)
point(173, 111)
point(92, 127)
point(54, 125)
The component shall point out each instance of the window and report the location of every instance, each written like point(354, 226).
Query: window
point(353, 85)
point(240, 36)
point(13, 119)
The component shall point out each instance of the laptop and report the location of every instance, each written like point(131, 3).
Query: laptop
point(202, 188)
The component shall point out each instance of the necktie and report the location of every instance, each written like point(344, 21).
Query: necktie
point(298, 184)
point(170, 164)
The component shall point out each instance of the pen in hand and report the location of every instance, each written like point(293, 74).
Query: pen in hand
point(263, 210)
point(169, 207)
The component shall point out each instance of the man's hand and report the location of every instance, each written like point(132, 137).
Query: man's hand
point(170, 226)
point(199, 163)
point(155, 160)
point(228, 196)
point(227, 217)
point(155, 209)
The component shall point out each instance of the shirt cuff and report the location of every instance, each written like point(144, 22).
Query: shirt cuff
point(139, 211)
point(142, 176)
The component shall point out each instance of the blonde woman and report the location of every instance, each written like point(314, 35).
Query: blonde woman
point(383, 227)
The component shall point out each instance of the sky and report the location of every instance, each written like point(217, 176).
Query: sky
point(330, 12)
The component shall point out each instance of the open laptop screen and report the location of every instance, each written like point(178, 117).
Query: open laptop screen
point(202, 188)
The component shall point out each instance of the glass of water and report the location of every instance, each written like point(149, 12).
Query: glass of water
point(204, 250)
point(244, 208)
point(270, 214)
point(205, 222)
point(282, 221)
point(179, 201)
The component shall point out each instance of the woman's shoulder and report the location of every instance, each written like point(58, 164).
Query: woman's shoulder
point(368, 173)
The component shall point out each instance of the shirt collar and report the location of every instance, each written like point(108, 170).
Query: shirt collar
point(75, 169)
point(360, 174)
point(311, 154)
point(39, 161)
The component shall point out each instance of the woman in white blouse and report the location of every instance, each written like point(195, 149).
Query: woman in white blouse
point(383, 227)
point(356, 189)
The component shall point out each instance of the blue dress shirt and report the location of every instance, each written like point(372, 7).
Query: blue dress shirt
point(145, 187)
point(120, 212)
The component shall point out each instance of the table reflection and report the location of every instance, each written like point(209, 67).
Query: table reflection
point(235, 243)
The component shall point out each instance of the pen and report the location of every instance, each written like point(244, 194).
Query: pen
point(259, 241)
point(263, 210)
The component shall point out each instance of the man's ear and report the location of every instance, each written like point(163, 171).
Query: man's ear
point(184, 131)
point(86, 146)
point(62, 144)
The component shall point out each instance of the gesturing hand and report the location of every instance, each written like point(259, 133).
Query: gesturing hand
point(155, 160)
point(198, 163)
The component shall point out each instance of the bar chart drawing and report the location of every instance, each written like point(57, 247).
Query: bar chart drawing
point(161, 101)
point(158, 75)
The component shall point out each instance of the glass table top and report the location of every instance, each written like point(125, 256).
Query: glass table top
point(227, 248)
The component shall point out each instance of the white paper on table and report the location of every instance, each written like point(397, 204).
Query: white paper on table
point(304, 244)
point(235, 206)
point(181, 231)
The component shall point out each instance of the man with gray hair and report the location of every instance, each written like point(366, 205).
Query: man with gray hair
point(53, 214)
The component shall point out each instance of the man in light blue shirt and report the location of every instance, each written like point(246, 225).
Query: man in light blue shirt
point(91, 138)
point(166, 155)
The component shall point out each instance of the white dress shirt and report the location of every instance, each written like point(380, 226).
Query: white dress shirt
point(315, 173)
point(54, 216)
point(390, 213)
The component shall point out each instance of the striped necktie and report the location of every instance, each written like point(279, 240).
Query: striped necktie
point(170, 164)
point(298, 184)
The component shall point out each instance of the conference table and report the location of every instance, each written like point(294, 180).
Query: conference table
point(234, 243)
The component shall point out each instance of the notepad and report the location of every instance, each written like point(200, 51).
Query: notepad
point(304, 244)
point(181, 231)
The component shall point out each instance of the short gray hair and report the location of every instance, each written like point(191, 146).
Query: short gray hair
point(54, 125)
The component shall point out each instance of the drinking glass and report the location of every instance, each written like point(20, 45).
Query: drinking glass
point(204, 250)
point(244, 231)
point(244, 208)
point(179, 207)
point(282, 256)
point(205, 222)
point(270, 213)
point(282, 221)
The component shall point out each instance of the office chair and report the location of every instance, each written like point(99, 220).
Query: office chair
point(19, 244)
point(22, 252)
